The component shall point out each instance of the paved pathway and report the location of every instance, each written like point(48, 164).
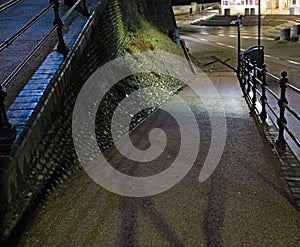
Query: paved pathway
point(245, 202)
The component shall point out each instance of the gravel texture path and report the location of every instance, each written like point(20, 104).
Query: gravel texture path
point(245, 202)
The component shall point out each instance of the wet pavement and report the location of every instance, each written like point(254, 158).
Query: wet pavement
point(279, 56)
point(246, 201)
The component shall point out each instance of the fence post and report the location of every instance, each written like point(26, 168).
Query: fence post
point(85, 10)
point(254, 75)
point(244, 73)
point(61, 47)
point(244, 76)
point(248, 67)
point(281, 103)
point(7, 131)
point(263, 114)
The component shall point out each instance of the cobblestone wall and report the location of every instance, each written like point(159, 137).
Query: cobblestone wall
point(47, 157)
point(157, 12)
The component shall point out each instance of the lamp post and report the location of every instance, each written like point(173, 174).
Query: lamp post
point(259, 31)
point(239, 45)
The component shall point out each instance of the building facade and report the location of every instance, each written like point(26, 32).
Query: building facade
point(250, 7)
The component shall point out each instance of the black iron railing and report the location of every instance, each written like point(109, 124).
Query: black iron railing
point(8, 4)
point(7, 131)
point(254, 83)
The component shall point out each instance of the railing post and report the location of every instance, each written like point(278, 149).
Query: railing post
point(244, 75)
point(248, 71)
point(281, 103)
point(85, 10)
point(61, 47)
point(81, 9)
point(263, 114)
point(254, 75)
point(244, 71)
point(7, 131)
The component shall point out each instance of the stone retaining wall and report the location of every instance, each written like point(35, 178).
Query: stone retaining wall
point(43, 153)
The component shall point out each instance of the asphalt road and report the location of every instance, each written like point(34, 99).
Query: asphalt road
point(221, 42)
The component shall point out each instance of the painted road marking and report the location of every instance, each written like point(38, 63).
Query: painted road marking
point(195, 39)
point(230, 46)
point(293, 62)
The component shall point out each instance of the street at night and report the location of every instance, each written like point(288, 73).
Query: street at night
point(139, 123)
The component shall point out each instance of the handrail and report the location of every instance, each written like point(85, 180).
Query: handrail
point(12, 75)
point(71, 10)
point(272, 93)
point(208, 9)
point(297, 90)
point(291, 134)
point(9, 41)
point(7, 131)
point(293, 112)
point(8, 5)
point(20, 66)
point(253, 79)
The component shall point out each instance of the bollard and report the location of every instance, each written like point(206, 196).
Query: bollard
point(285, 34)
point(61, 47)
point(280, 142)
point(194, 6)
point(7, 131)
point(263, 98)
point(296, 29)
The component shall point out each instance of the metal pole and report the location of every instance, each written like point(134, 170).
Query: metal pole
point(254, 75)
point(7, 131)
point(61, 47)
point(259, 38)
point(85, 10)
point(239, 47)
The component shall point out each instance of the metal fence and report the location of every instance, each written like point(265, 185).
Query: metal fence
point(254, 83)
point(7, 131)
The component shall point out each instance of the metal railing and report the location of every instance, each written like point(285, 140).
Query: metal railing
point(7, 131)
point(254, 83)
point(8, 4)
